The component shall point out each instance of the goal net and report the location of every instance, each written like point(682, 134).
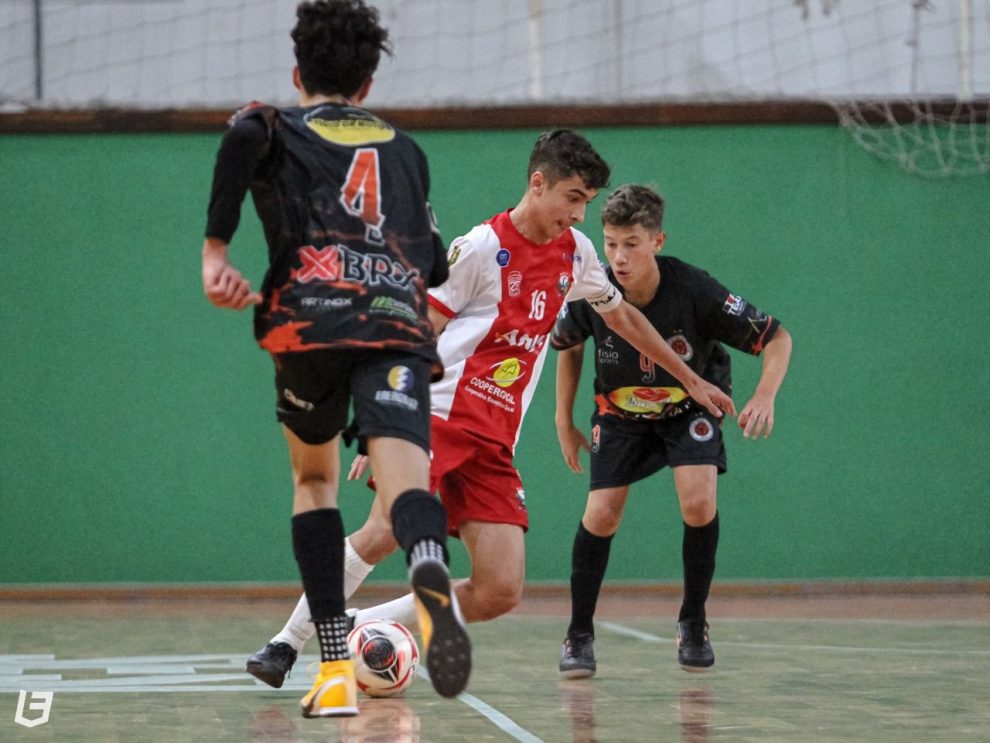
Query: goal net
point(909, 78)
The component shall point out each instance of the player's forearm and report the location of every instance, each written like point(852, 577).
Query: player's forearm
point(776, 359)
point(214, 251)
point(632, 325)
point(569, 363)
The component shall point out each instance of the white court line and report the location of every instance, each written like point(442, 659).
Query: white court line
point(621, 629)
point(503, 722)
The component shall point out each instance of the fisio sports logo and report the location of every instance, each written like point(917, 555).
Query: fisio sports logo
point(339, 263)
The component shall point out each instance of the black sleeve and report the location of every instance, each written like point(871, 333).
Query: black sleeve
point(242, 149)
point(573, 325)
point(728, 318)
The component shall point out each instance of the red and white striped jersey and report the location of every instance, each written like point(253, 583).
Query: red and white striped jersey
point(502, 298)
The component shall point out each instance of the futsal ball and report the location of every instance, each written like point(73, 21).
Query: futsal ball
point(385, 657)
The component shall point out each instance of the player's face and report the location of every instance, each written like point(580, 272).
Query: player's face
point(630, 252)
point(563, 204)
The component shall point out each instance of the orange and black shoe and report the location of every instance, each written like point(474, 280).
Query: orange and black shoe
point(448, 647)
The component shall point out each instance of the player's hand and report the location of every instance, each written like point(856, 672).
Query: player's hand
point(757, 418)
point(712, 399)
point(358, 466)
point(225, 287)
point(571, 442)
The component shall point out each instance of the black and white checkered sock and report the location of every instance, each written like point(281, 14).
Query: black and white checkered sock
point(332, 633)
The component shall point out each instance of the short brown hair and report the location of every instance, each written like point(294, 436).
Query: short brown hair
point(631, 205)
point(563, 153)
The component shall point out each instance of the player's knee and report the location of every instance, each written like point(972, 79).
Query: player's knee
point(498, 597)
point(602, 521)
point(698, 511)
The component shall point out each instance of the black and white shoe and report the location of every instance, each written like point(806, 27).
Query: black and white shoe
point(448, 647)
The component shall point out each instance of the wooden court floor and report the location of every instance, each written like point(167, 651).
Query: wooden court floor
point(793, 668)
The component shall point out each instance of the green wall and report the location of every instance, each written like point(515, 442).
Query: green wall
point(138, 440)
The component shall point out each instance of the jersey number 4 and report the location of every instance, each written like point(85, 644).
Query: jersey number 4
point(361, 194)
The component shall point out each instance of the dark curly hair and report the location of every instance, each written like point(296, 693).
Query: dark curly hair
point(563, 153)
point(630, 205)
point(338, 44)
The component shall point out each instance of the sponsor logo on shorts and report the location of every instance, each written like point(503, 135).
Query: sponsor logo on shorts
point(297, 401)
point(502, 257)
point(701, 429)
point(596, 438)
point(521, 499)
point(734, 305)
point(400, 379)
point(515, 283)
point(679, 344)
point(506, 373)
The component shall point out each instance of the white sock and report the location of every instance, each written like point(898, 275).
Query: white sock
point(300, 628)
point(401, 610)
point(355, 569)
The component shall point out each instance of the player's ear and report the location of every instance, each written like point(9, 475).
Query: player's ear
point(661, 239)
point(297, 78)
point(537, 181)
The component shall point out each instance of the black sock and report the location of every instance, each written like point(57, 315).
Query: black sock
point(419, 517)
point(589, 559)
point(698, 552)
point(318, 542)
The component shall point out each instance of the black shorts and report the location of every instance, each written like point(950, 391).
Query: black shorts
point(625, 451)
point(390, 391)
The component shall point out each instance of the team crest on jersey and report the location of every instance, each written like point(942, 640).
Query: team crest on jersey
point(563, 284)
point(679, 345)
point(701, 429)
point(515, 283)
point(502, 257)
point(734, 305)
point(350, 132)
point(454, 254)
point(506, 373)
point(596, 438)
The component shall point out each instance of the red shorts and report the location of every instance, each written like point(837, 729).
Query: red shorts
point(475, 478)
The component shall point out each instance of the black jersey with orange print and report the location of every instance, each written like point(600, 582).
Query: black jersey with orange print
point(695, 314)
point(352, 242)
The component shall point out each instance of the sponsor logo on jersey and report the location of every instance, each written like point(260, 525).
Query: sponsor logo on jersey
point(393, 307)
point(350, 132)
point(506, 373)
point(606, 353)
point(596, 438)
point(563, 284)
point(515, 283)
point(297, 401)
point(734, 305)
point(701, 429)
point(326, 303)
point(502, 257)
point(523, 340)
point(679, 344)
point(338, 263)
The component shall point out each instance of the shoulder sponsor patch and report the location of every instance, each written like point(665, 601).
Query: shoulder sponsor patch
point(734, 305)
